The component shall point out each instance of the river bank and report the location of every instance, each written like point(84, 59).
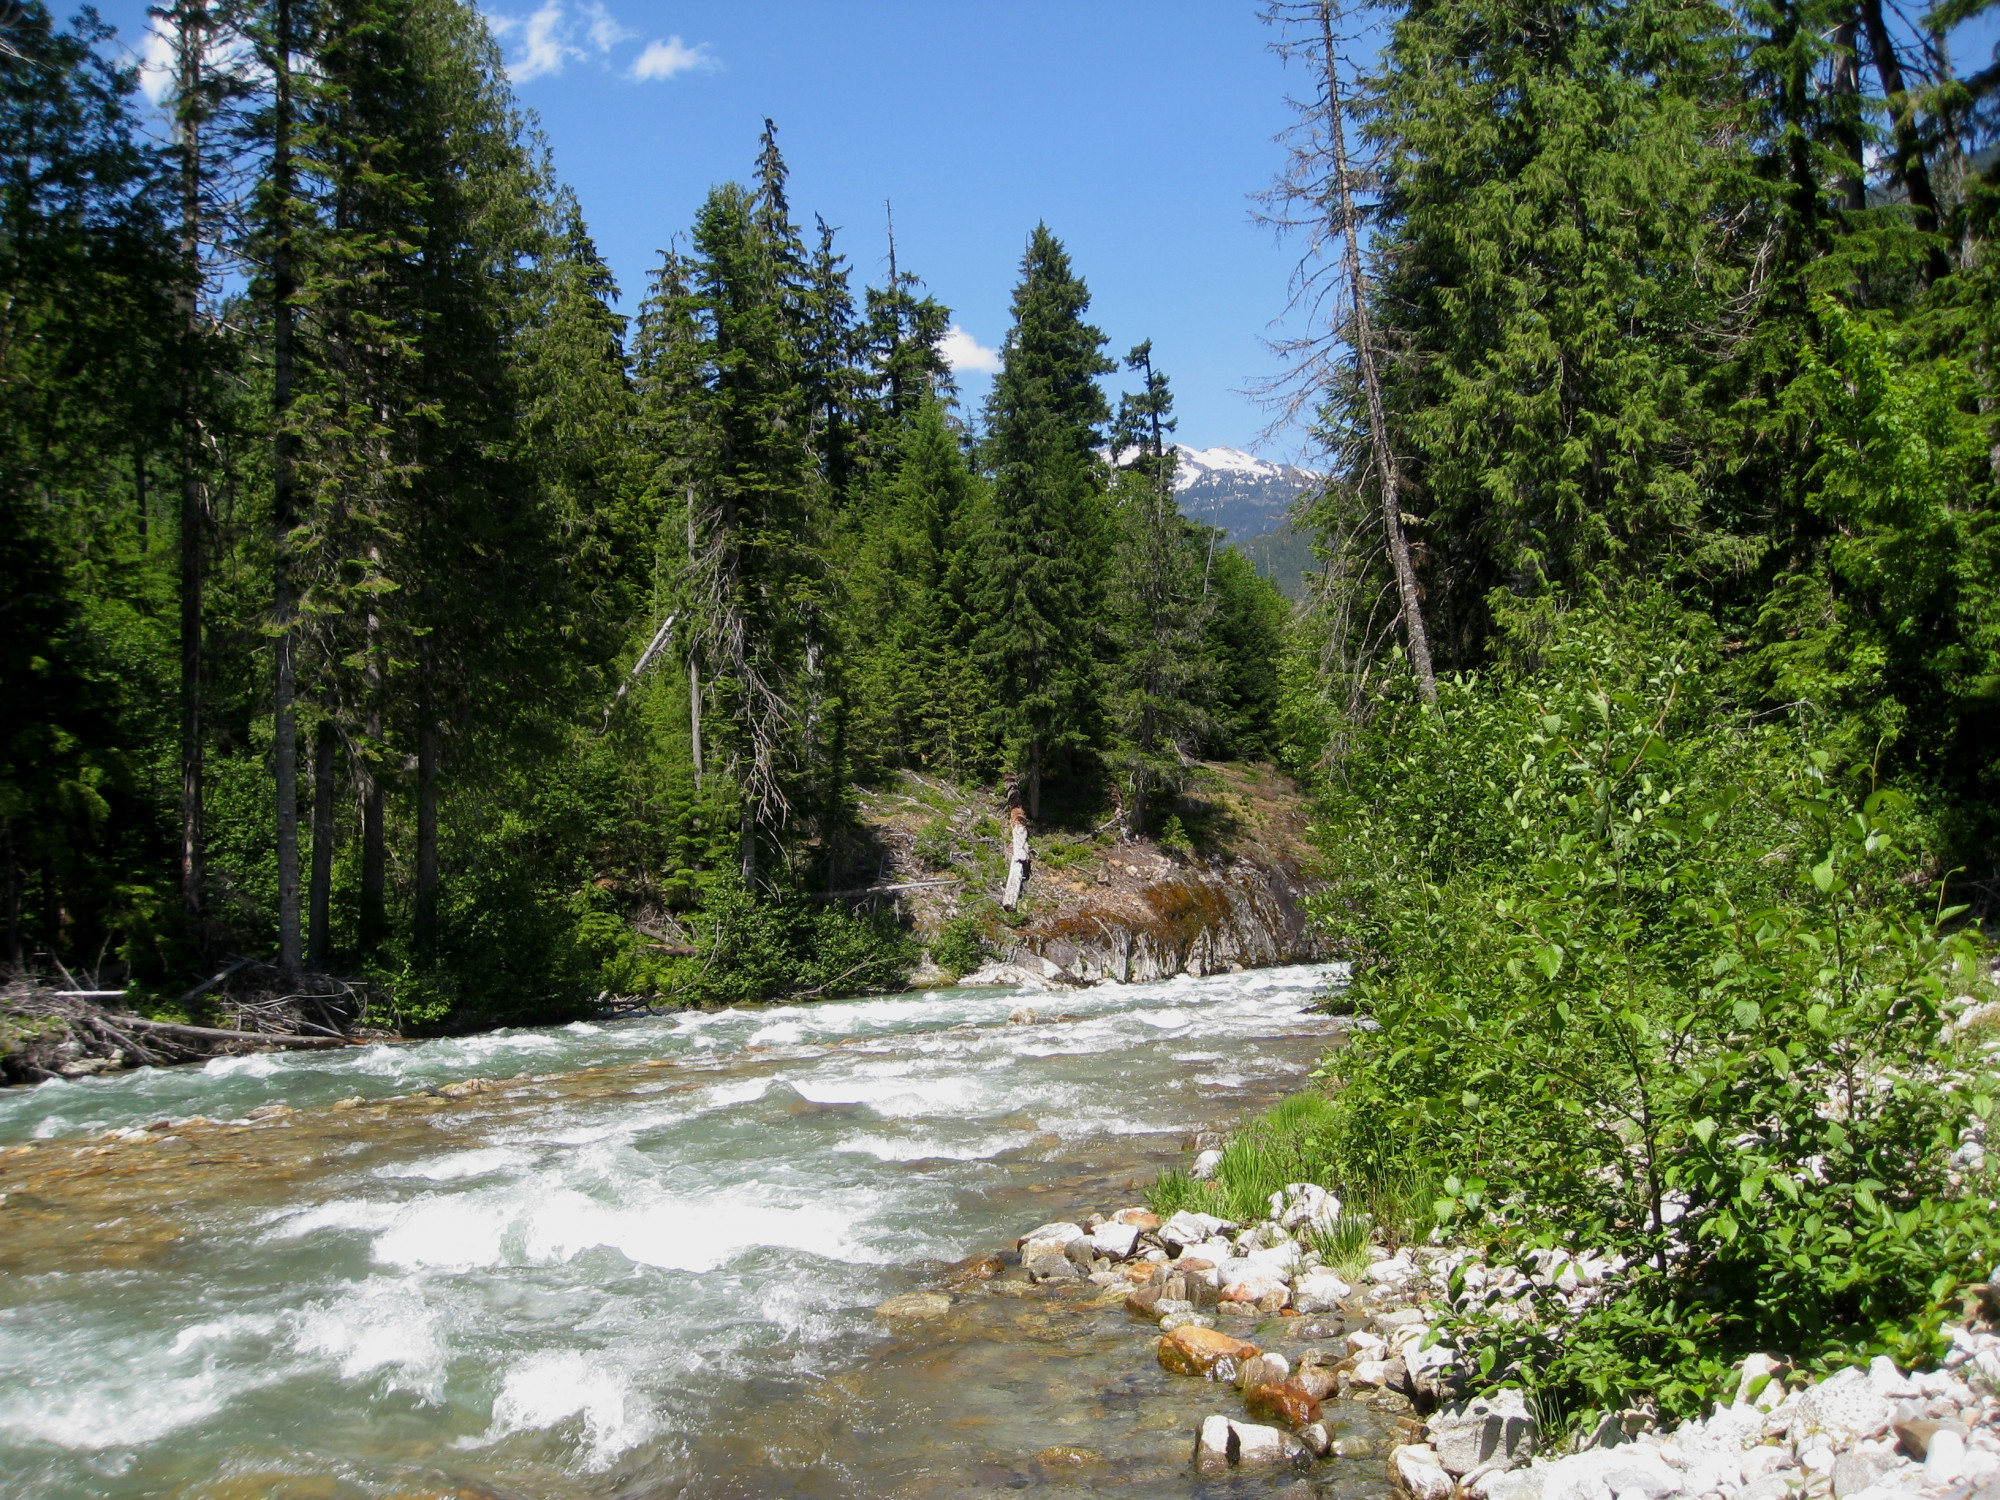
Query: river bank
point(633, 1258)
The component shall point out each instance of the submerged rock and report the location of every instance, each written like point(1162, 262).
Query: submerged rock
point(914, 1305)
point(1221, 1445)
point(1193, 1350)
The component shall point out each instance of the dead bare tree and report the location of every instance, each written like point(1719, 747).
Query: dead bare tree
point(1317, 195)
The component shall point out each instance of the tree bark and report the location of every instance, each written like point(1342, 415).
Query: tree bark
point(374, 913)
point(694, 716)
point(1850, 187)
point(319, 943)
point(1017, 863)
point(1388, 474)
point(285, 738)
point(1912, 170)
point(427, 834)
point(749, 850)
point(191, 42)
point(1035, 779)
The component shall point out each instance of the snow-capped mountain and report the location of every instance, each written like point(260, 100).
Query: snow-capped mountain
point(1244, 495)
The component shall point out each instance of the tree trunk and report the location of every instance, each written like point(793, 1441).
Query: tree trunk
point(749, 850)
point(1912, 170)
point(14, 963)
point(427, 835)
point(1135, 821)
point(1850, 189)
point(140, 501)
point(1388, 475)
point(320, 940)
point(1017, 863)
point(694, 716)
point(1035, 779)
point(285, 738)
point(374, 913)
point(191, 41)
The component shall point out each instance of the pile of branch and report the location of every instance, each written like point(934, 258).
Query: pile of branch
point(50, 1030)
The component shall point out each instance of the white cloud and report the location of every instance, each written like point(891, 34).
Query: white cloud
point(964, 352)
point(156, 61)
point(665, 59)
point(605, 32)
point(545, 44)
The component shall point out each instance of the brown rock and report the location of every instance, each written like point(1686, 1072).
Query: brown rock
point(1193, 1350)
point(1143, 1272)
point(1317, 1381)
point(1915, 1436)
point(1143, 1301)
point(1290, 1403)
point(975, 1268)
point(1146, 1222)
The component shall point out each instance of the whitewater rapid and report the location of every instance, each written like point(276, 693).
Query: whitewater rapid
point(652, 1251)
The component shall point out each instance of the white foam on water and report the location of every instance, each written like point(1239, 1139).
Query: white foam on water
point(459, 1165)
point(382, 1325)
point(898, 1096)
point(445, 1233)
point(249, 1065)
point(88, 1390)
point(928, 1148)
point(544, 1390)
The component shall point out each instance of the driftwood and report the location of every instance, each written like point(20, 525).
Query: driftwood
point(1017, 863)
point(218, 1033)
point(883, 890)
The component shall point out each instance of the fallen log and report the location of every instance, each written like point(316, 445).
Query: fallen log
point(882, 890)
point(217, 1033)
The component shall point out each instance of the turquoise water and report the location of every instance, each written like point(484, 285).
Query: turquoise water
point(644, 1262)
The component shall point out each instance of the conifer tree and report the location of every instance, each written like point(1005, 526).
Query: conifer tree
point(1159, 602)
point(1036, 585)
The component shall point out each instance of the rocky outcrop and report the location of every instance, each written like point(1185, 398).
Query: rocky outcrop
point(1190, 919)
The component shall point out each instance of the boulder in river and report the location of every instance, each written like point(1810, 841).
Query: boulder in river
point(1288, 1402)
point(1415, 1469)
point(1221, 1445)
point(1194, 1350)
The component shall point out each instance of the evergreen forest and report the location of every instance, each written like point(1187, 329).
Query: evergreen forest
point(379, 599)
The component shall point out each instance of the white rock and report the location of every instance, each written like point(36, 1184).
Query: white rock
point(1115, 1240)
point(1216, 1251)
point(1204, 1166)
point(1760, 1382)
point(1513, 1484)
point(1188, 1227)
point(1422, 1476)
point(1590, 1475)
point(1255, 1447)
point(1945, 1459)
point(1061, 1230)
point(1846, 1407)
point(1890, 1381)
point(1258, 1285)
point(1303, 1203)
point(1370, 1372)
point(1371, 1344)
point(1492, 1429)
point(1320, 1292)
point(1392, 1272)
point(1263, 1369)
point(1211, 1446)
point(1049, 1259)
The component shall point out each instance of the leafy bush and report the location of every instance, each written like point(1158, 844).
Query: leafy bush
point(935, 846)
point(770, 945)
point(1649, 980)
point(960, 946)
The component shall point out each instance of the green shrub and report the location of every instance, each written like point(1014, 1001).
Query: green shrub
point(1648, 980)
point(772, 945)
point(935, 845)
point(960, 946)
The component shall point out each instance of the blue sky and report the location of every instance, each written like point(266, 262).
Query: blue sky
point(1136, 131)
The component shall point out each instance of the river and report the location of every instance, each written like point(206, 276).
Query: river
point(642, 1261)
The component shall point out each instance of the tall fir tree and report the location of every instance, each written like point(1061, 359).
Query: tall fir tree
point(1036, 586)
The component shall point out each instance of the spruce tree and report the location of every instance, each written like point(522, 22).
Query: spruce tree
point(1159, 603)
point(1037, 581)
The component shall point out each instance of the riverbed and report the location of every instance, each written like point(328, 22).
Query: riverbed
point(631, 1259)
